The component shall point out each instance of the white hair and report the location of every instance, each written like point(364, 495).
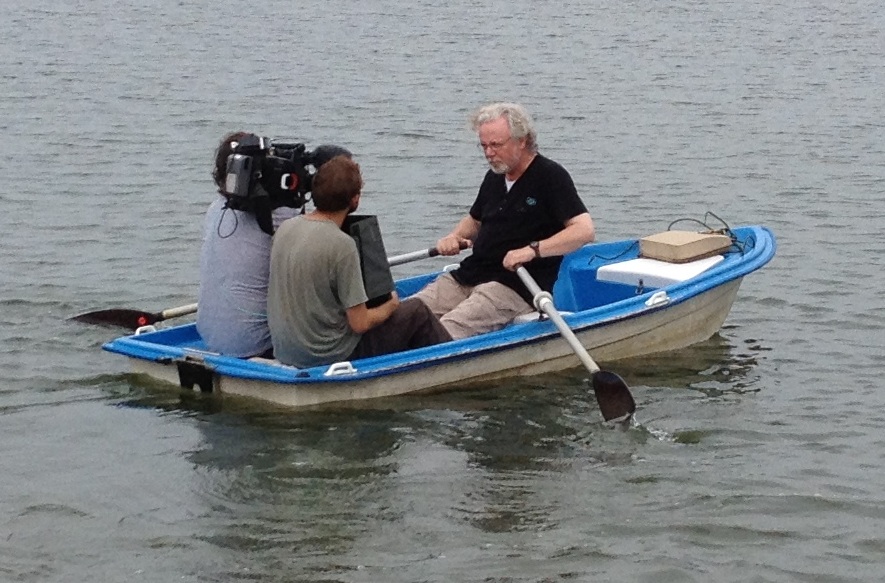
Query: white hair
point(518, 119)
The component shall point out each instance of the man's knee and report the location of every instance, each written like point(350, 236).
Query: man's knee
point(411, 306)
point(442, 295)
point(416, 317)
point(497, 296)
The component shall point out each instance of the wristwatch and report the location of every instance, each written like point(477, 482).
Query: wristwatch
point(536, 247)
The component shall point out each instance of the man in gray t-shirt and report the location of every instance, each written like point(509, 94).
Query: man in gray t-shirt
point(316, 303)
point(308, 305)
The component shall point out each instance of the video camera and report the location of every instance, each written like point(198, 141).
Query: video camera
point(263, 175)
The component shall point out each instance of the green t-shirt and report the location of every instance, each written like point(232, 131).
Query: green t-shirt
point(314, 278)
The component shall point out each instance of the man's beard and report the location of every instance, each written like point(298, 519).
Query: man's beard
point(499, 167)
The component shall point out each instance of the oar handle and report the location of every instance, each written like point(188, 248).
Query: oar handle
point(179, 311)
point(529, 282)
point(413, 256)
point(416, 255)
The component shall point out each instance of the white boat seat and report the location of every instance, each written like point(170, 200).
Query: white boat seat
point(535, 316)
point(654, 273)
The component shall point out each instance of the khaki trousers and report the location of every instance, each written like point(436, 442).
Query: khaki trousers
point(466, 310)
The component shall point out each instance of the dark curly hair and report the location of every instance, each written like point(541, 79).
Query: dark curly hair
point(219, 173)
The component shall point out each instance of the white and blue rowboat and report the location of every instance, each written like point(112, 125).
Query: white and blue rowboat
point(619, 305)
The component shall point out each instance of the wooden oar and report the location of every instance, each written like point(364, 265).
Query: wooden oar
point(612, 394)
point(133, 319)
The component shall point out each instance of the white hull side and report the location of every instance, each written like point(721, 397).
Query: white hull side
point(674, 327)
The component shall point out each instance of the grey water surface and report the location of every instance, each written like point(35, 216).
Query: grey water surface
point(760, 452)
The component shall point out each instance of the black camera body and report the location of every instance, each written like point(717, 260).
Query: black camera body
point(261, 172)
point(263, 175)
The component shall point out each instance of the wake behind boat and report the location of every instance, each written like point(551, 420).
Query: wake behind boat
point(621, 299)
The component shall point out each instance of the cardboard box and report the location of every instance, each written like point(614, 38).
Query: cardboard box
point(682, 246)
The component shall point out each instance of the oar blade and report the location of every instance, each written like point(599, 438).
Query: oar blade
point(613, 396)
point(117, 318)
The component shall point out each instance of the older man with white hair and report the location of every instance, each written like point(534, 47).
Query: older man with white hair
point(527, 212)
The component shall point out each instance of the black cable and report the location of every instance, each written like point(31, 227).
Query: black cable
point(221, 220)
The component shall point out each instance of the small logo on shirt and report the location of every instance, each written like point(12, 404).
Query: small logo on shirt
point(531, 201)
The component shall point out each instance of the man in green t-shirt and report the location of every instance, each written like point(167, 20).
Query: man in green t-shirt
point(316, 304)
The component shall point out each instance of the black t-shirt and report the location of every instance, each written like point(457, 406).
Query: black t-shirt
point(538, 205)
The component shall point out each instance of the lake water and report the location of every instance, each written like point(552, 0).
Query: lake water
point(760, 456)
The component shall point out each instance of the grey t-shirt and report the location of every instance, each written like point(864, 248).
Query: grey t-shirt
point(314, 278)
point(234, 267)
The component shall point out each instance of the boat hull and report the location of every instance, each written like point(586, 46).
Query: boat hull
point(602, 291)
point(672, 328)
